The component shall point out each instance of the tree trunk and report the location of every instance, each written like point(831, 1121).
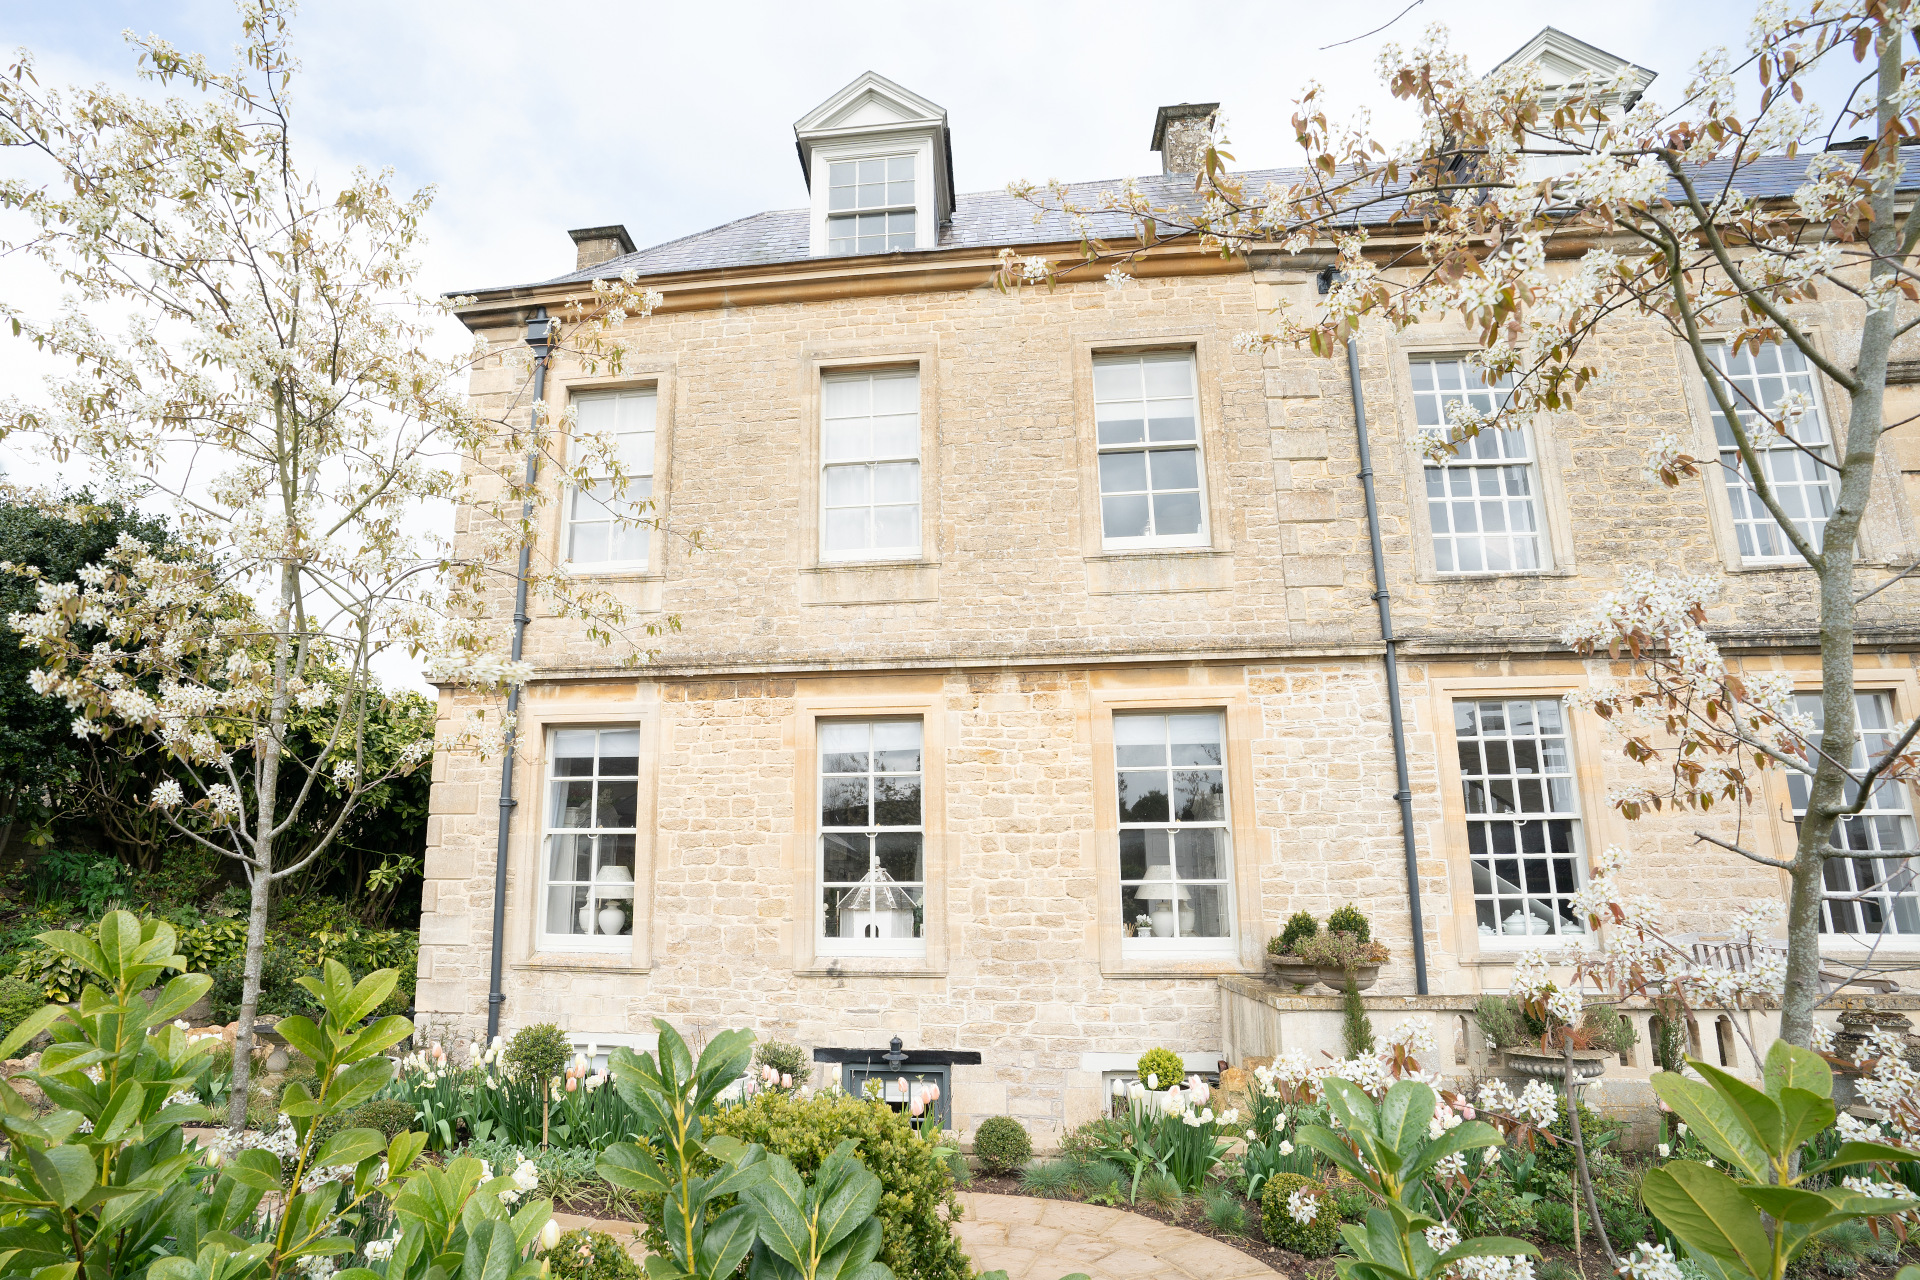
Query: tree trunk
point(249, 996)
point(1827, 794)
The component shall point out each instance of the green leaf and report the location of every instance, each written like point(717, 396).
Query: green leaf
point(369, 994)
point(491, 1253)
point(1718, 1124)
point(378, 1038)
point(360, 1081)
point(1791, 1067)
point(1788, 1204)
point(304, 1036)
point(176, 998)
point(780, 1211)
point(64, 1173)
point(121, 1112)
point(350, 1147)
point(1465, 1136)
point(728, 1238)
point(1704, 1208)
point(630, 1166)
point(1405, 1113)
point(1863, 1153)
point(1760, 1113)
point(1805, 1114)
point(31, 1026)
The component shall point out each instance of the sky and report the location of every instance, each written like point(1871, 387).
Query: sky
point(529, 119)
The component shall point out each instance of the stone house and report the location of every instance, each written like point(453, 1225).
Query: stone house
point(1029, 673)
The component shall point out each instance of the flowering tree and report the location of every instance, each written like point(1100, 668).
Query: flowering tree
point(1543, 215)
point(276, 385)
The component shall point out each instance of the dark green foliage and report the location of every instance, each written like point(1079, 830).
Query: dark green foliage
point(1161, 1190)
point(91, 879)
point(1350, 1202)
point(787, 1059)
point(45, 771)
point(1554, 1220)
point(1163, 1065)
point(280, 991)
point(17, 1000)
point(918, 1206)
point(1669, 1042)
point(1499, 1020)
point(539, 1052)
point(1314, 1239)
point(1002, 1145)
point(1597, 1132)
point(586, 1254)
point(1356, 1028)
point(1348, 919)
point(1300, 926)
point(1496, 1208)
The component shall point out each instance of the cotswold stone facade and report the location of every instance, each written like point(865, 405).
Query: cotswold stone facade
point(1023, 647)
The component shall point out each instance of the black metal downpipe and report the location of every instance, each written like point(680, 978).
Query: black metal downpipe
point(1381, 597)
point(540, 339)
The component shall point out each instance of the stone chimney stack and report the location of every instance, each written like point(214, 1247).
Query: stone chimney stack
point(1180, 135)
point(595, 245)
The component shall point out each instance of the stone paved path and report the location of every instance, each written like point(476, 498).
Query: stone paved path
point(1033, 1239)
point(1045, 1239)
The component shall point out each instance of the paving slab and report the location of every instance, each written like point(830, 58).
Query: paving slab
point(1033, 1239)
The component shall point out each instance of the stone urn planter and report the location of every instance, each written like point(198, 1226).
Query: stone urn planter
point(1364, 976)
point(1588, 1064)
point(1292, 971)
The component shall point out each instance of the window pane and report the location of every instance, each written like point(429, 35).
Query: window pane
point(844, 858)
point(573, 753)
point(1515, 772)
point(1176, 514)
point(619, 752)
point(572, 805)
point(843, 802)
point(1143, 795)
point(1123, 472)
point(569, 858)
point(617, 804)
point(1124, 517)
point(872, 419)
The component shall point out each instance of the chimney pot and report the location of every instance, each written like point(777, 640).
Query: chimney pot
point(595, 245)
point(1180, 135)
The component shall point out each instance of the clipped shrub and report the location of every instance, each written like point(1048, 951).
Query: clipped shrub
point(1002, 1145)
point(389, 1115)
point(537, 1053)
point(918, 1207)
point(1314, 1239)
point(1300, 926)
point(1349, 919)
point(787, 1059)
point(585, 1254)
point(18, 999)
point(1162, 1065)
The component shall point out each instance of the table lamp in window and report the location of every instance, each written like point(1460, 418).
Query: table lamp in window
point(611, 886)
point(876, 908)
point(1160, 892)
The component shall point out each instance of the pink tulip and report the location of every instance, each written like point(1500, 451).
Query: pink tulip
point(919, 1108)
point(933, 1093)
point(572, 1084)
point(786, 1080)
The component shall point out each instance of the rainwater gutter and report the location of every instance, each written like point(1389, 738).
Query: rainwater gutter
point(540, 339)
point(1382, 598)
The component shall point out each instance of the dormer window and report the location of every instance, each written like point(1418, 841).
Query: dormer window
point(880, 169)
point(870, 206)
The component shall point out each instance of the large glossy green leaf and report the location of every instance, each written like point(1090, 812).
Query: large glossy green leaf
point(32, 1025)
point(1760, 1113)
point(64, 1173)
point(846, 1193)
point(1715, 1120)
point(1327, 1144)
point(1705, 1210)
point(491, 1253)
point(176, 998)
point(1791, 1067)
point(300, 1032)
point(1788, 1203)
point(629, 1165)
point(1805, 1113)
point(727, 1240)
point(1351, 1106)
point(121, 1112)
point(1405, 1113)
point(350, 1147)
point(1863, 1153)
point(783, 1213)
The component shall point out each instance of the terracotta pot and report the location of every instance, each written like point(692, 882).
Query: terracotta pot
point(1292, 971)
point(1364, 976)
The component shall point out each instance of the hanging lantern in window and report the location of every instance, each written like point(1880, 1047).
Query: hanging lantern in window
point(876, 908)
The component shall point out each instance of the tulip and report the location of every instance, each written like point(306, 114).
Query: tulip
point(786, 1080)
point(918, 1109)
point(550, 1234)
point(572, 1084)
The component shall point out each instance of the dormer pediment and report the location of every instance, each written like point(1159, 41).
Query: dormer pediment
point(1565, 61)
point(879, 165)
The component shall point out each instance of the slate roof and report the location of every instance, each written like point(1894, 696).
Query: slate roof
point(990, 219)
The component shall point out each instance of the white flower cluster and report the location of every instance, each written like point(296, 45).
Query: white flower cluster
point(1893, 1087)
point(1879, 1190)
point(1651, 1262)
point(1302, 1205)
point(1537, 1104)
point(525, 1178)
